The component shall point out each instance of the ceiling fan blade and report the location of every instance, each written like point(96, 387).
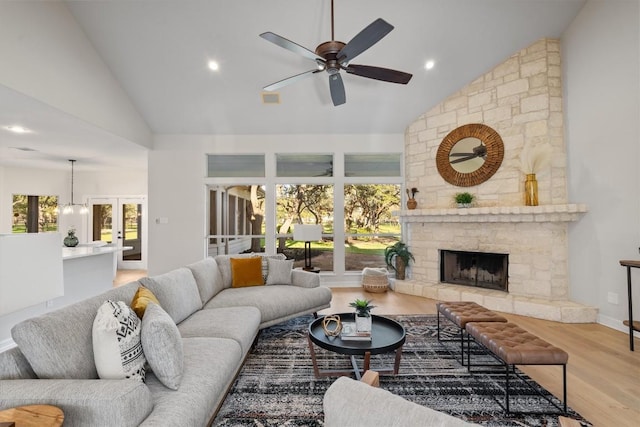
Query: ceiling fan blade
point(337, 89)
point(366, 38)
point(378, 73)
point(289, 45)
point(290, 80)
point(463, 159)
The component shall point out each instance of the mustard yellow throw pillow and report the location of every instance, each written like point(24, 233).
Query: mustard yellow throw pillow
point(246, 272)
point(140, 300)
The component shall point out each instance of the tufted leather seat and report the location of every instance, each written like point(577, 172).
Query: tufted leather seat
point(463, 312)
point(514, 345)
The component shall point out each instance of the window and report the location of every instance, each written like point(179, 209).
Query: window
point(305, 204)
point(235, 165)
point(304, 165)
point(361, 165)
point(34, 214)
point(236, 219)
point(369, 225)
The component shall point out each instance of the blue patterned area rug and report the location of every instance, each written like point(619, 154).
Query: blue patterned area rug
point(277, 387)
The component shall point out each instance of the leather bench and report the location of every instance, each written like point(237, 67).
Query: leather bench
point(462, 312)
point(512, 346)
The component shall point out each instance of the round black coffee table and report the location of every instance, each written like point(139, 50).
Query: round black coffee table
point(386, 335)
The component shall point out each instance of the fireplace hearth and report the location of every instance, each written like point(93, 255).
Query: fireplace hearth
point(478, 269)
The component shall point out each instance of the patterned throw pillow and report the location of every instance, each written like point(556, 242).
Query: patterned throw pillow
point(117, 348)
point(279, 272)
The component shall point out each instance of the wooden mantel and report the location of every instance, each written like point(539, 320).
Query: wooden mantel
point(546, 213)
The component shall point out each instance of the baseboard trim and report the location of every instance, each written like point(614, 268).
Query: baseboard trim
point(616, 324)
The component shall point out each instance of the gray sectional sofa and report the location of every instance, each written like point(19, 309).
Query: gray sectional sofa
point(54, 361)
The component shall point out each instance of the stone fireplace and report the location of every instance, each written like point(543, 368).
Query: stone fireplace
point(521, 99)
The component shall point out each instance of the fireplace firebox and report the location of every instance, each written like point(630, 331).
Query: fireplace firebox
point(479, 269)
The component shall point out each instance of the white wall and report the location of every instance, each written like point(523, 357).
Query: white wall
point(47, 56)
point(177, 183)
point(601, 63)
point(56, 182)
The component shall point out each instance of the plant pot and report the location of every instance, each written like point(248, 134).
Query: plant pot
point(363, 324)
point(400, 268)
point(412, 204)
point(464, 205)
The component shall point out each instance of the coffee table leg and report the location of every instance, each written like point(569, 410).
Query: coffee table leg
point(396, 365)
point(316, 371)
point(356, 370)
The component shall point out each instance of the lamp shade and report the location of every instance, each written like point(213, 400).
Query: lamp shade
point(307, 232)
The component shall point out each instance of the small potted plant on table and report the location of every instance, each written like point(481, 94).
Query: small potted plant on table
point(363, 314)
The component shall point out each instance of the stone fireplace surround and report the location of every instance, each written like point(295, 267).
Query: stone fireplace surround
point(535, 237)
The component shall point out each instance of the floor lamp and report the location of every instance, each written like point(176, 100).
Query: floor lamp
point(307, 233)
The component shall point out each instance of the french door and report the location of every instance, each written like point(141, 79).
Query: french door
point(121, 221)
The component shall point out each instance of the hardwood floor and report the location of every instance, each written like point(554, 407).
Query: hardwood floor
point(603, 376)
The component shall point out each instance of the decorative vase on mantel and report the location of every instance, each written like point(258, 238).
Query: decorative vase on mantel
point(71, 241)
point(531, 190)
point(412, 204)
point(411, 201)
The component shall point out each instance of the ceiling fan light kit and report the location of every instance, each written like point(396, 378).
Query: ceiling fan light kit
point(333, 56)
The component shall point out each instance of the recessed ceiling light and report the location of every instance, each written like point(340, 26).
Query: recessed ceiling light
point(429, 64)
point(17, 129)
point(213, 65)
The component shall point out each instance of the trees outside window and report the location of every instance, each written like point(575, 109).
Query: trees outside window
point(34, 214)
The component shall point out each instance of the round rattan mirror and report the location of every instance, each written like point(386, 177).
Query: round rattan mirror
point(469, 155)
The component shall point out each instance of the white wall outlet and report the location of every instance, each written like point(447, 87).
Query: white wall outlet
point(612, 298)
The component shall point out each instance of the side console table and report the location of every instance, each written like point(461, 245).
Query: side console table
point(633, 325)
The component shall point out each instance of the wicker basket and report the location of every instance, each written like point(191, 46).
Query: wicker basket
point(375, 283)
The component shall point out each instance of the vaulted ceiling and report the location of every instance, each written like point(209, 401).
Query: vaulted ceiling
point(158, 51)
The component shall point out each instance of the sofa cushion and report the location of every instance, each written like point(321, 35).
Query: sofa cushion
point(224, 264)
point(279, 271)
point(210, 366)
point(162, 345)
point(348, 402)
point(246, 272)
point(237, 323)
point(208, 278)
point(177, 292)
point(141, 299)
point(265, 262)
point(117, 348)
point(59, 344)
point(276, 302)
point(122, 403)
point(13, 365)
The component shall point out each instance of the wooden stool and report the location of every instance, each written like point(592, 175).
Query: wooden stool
point(33, 416)
point(462, 312)
point(512, 346)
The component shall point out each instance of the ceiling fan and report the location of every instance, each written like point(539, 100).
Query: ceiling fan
point(333, 56)
point(479, 151)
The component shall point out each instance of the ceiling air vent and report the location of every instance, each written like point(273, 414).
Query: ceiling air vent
point(270, 98)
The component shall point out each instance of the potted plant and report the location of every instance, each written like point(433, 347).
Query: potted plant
point(464, 199)
point(397, 257)
point(363, 314)
point(411, 201)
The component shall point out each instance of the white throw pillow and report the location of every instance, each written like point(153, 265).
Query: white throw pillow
point(162, 346)
point(279, 271)
point(117, 348)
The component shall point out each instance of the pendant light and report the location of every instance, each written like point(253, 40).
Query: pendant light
point(71, 207)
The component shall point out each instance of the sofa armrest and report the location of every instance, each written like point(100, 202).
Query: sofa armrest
point(84, 402)
point(305, 279)
point(348, 402)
